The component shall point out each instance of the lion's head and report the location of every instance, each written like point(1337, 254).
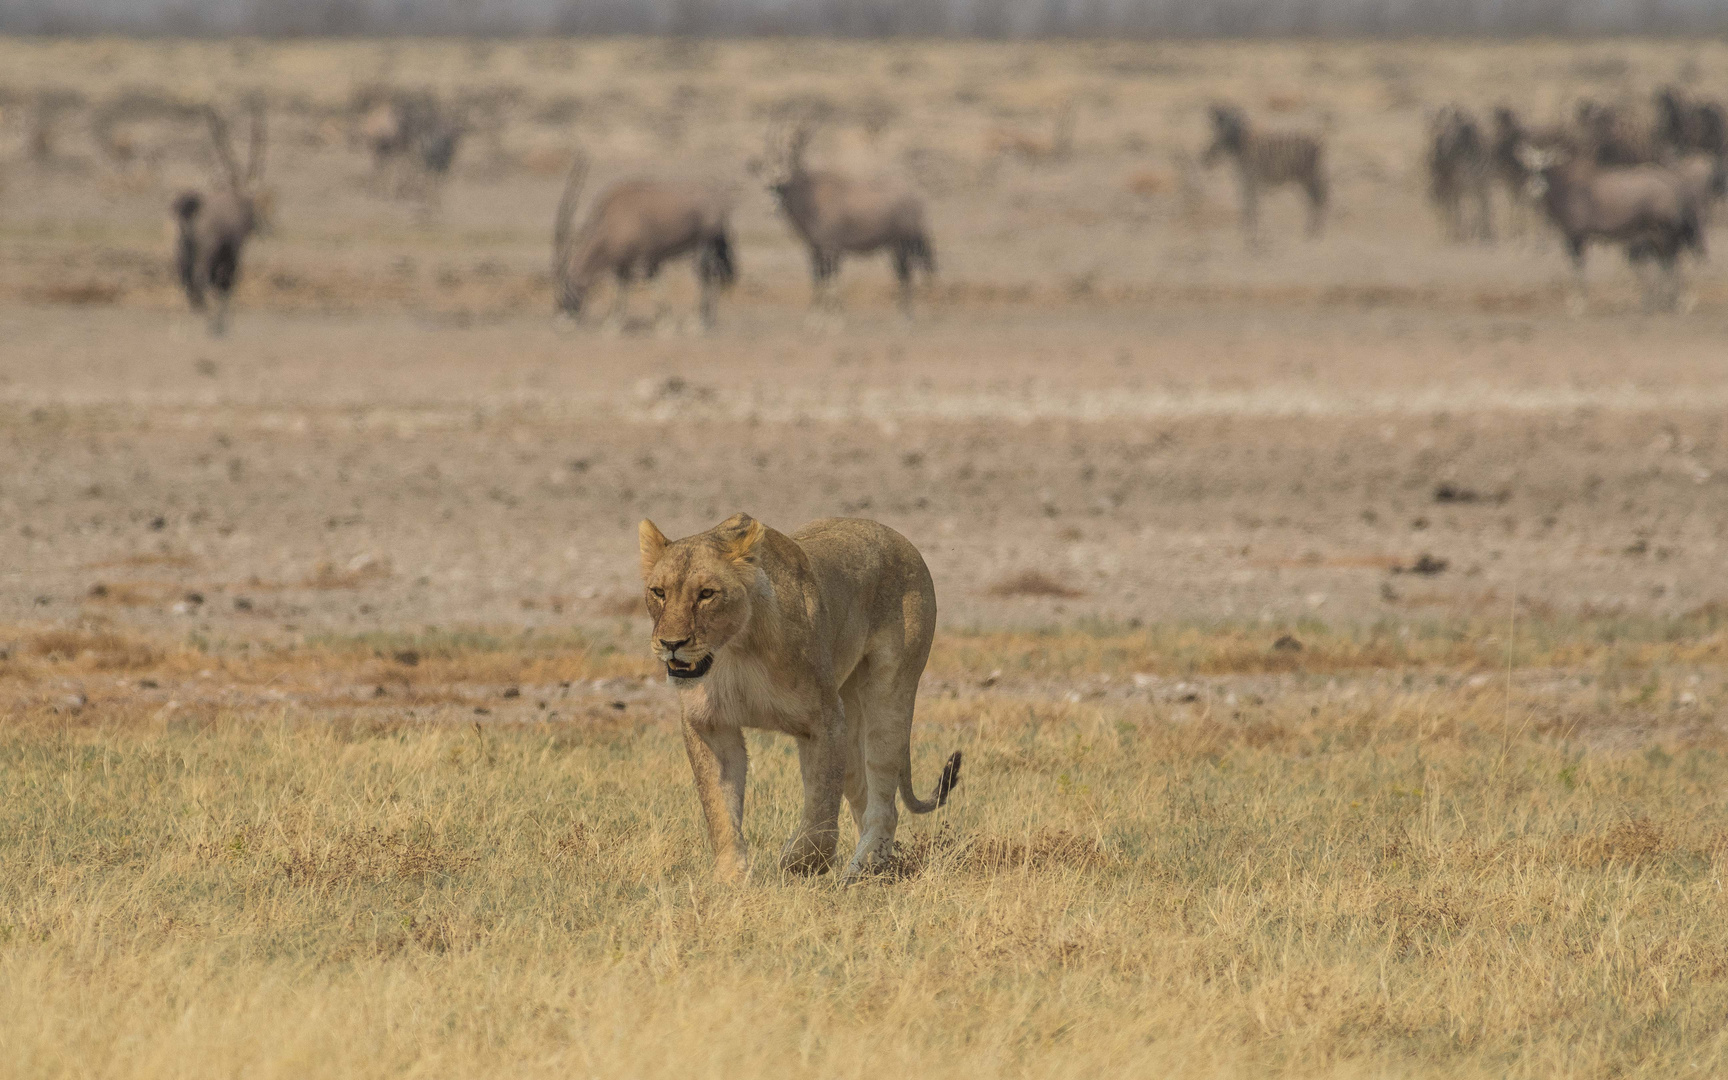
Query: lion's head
point(700, 591)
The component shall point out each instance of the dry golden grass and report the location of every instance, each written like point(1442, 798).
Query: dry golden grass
point(1412, 879)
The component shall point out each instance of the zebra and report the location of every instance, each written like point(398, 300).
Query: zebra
point(1268, 159)
point(1459, 170)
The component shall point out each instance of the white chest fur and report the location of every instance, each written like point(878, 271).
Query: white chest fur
point(741, 691)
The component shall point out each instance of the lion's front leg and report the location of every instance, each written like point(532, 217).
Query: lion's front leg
point(719, 761)
point(822, 761)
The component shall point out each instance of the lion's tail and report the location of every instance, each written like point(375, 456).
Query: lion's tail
point(950, 777)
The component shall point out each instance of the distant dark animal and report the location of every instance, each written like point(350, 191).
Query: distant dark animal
point(212, 229)
point(1460, 175)
point(413, 141)
point(838, 215)
point(1269, 159)
point(635, 227)
point(1646, 209)
point(1690, 127)
point(1614, 138)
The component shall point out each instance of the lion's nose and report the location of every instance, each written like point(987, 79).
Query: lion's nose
point(673, 646)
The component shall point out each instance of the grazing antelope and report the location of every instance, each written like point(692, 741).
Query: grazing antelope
point(1647, 209)
point(837, 215)
point(212, 229)
point(1268, 159)
point(634, 227)
point(1690, 126)
point(1460, 171)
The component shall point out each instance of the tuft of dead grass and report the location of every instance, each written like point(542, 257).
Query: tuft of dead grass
point(1335, 879)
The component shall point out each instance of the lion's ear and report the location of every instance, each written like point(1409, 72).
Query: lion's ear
point(653, 543)
point(744, 533)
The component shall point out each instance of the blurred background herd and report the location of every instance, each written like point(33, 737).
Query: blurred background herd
point(427, 173)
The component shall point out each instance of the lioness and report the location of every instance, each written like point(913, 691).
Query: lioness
point(822, 635)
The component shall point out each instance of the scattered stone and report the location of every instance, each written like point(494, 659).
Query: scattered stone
point(513, 692)
point(242, 603)
point(991, 679)
point(1287, 643)
point(147, 684)
point(619, 705)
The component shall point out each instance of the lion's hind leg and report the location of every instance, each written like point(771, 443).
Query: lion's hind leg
point(885, 738)
point(857, 791)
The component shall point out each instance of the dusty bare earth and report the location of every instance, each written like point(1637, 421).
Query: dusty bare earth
point(1104, 388)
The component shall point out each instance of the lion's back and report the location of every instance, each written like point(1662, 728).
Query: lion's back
point(859, 561)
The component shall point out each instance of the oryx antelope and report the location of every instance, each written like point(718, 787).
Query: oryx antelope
point(633, 228)
point(212, 229)
point(838, 215)
point(1647, 209)
point(1459, 174)
point(1269, 159)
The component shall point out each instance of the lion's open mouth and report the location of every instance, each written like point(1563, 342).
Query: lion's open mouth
point(680, 669)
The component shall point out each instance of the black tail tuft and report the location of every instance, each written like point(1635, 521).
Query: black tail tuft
point(950, 778)
point(187, 204)
point(717, 263)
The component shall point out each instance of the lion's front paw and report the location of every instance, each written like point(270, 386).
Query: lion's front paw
point(807, 855)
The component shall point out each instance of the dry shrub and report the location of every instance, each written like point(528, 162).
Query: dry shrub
point(81, 293)
point(125, 593)
point(1033, 583)
point(102, 650)
point(369, 854)
point(169, 559)
point(1149, 182)
point(1041, 849)
point(622, 605)
point(1632, 843)
point(359, 572)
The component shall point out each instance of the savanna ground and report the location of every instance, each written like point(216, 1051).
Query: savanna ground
point(1336, 634)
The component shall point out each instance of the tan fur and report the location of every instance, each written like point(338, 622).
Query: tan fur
point(821, 635)
point(633, 228)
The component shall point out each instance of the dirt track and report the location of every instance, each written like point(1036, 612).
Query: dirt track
point(1103, 388)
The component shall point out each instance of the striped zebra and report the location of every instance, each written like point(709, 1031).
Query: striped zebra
point(1460, 172)
point(1268, 159)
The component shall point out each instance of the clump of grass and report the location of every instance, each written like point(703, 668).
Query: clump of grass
point(1389, 880)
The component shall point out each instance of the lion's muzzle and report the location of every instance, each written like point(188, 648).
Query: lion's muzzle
point(684, 669)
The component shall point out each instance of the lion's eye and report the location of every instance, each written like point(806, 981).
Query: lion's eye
point(659, 594)
point(705, 594)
